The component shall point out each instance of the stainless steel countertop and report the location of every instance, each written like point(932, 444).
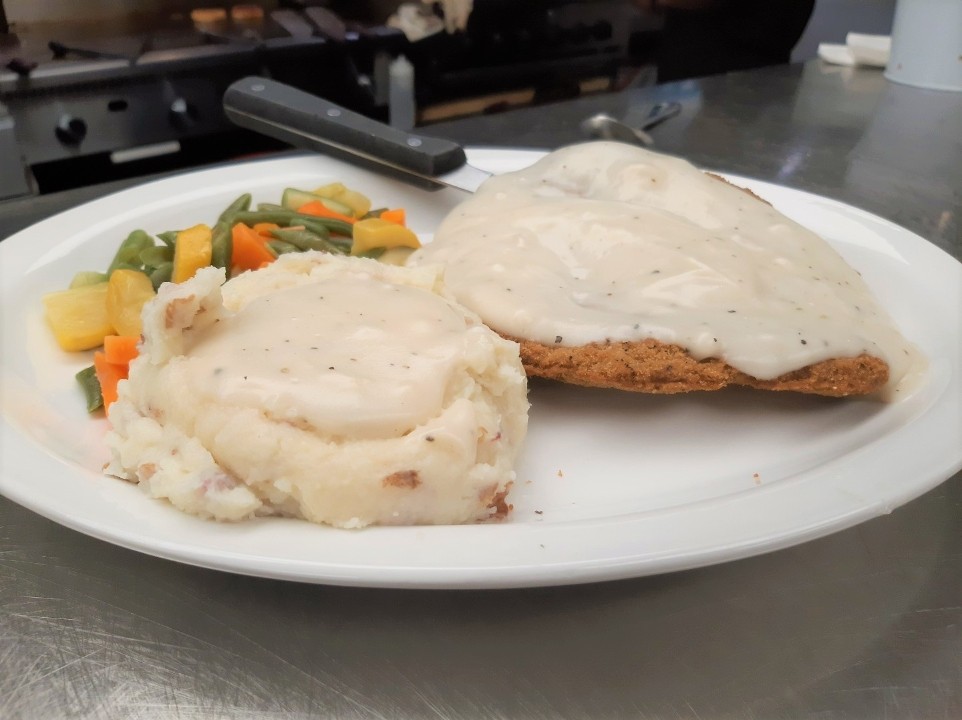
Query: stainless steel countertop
point(866, 623)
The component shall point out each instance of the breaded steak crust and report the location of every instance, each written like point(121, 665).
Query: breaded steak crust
point(650, 366)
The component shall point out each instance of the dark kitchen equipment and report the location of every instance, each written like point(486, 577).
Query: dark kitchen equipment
point(95, 104)
point(123, 104)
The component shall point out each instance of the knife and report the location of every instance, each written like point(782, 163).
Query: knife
point(312, 123)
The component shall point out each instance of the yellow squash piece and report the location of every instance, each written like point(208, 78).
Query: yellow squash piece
point(127, 292)
point(376, 233)
point(192, 251)
point(78, 317)
point(359, 203)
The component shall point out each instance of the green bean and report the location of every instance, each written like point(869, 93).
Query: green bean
point(138, 267)
point(342, 244)
point(156, 255)
point(221, 244)
point(241, 204)
point(283, 216)
point(376, 213)
point(161, 274)
point(313, 224)
point(374, 253)
point(290, 218)
point(339, 227)
point(252, 217)
point(279, 216)
point(272, 207)
point(282, 248)
point(304, 239)
point(130, 249)
point(320, 225)
point(169, 237)
point(91, 388)
point(87, 277)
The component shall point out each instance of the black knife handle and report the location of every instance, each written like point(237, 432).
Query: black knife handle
point(307, 121)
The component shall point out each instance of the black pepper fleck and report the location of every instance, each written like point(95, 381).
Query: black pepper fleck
point(557, 339)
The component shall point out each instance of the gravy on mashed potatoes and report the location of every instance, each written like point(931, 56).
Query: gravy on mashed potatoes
point(340, 390)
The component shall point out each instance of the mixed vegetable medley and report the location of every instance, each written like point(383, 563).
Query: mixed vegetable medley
point(102, 310)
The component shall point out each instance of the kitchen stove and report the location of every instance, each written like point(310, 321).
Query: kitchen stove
point(82, 104)
point(106, 105)
point(549, 47)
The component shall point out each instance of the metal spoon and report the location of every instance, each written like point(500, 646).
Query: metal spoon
point(604, 127)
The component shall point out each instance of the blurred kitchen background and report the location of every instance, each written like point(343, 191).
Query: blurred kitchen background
point(102, 90)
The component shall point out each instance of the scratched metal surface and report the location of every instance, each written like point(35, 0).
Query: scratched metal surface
point(864, 624)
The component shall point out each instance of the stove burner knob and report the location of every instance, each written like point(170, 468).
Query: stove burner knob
point(182, 114)
point(70, 130)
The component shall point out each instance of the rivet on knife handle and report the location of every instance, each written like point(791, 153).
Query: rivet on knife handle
point(307, 121)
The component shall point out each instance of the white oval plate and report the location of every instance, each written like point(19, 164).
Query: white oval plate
point(610, 485)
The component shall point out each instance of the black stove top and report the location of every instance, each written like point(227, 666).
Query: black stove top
point(83, 104)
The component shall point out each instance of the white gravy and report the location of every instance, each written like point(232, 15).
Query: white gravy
point(360, 359)
point(605, 241)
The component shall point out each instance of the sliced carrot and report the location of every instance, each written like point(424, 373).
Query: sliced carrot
point(395, 216)
point(120, 349)
point(109, 376)
point(265, 229)
point(250, 251)
point(319, 209)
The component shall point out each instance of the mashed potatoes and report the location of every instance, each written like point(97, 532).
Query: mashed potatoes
point(339, 390)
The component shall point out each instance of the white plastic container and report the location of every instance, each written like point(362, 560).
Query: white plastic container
point(927, 44)
point(401, 108)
